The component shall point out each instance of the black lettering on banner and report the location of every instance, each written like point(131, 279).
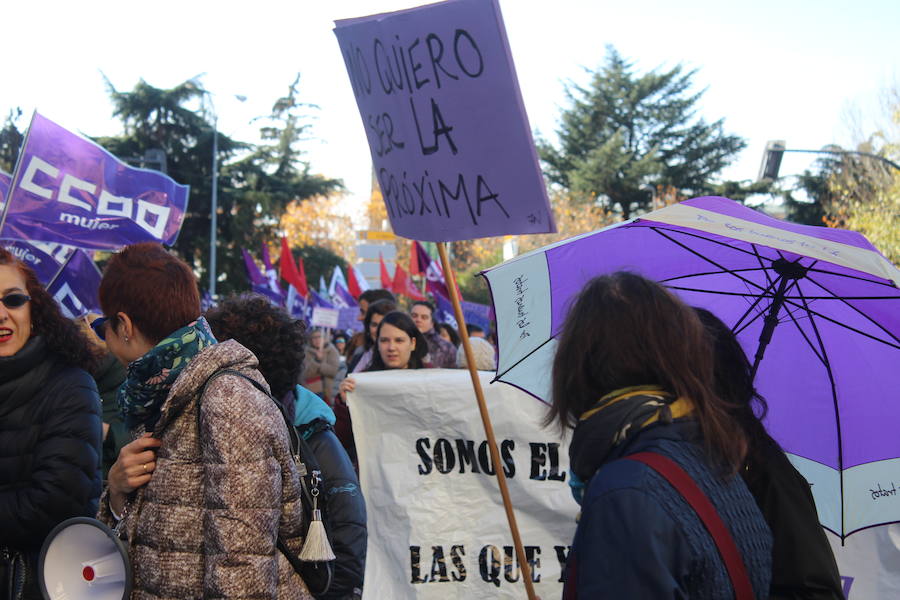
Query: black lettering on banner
point(538, 460)
point(533, 556)
point(383, 127)
point(490, 573)
point(435, 59)
point(466, 451)
point(387, 83)
point(509, 465)
point(460, 192)
point(553, 453)
point(510, 561)
point(484, 458)
point(415, 564)
point(438, 565)
point(481, 188)
point(474, 51)
point(422, 446)
point(416, 66)
point(457, 553)
point(444, 458)
point(562, 555)
point(439, 128)
point(400, 60)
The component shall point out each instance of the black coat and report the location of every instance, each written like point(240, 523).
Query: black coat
point(803, 566)
point(49, 445)
point(345, 511)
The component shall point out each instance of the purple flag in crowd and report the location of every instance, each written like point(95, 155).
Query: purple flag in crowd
point(69, 190)
point(450, 140)
point(76, 287)
point(347, 320)
point(296, 305)
point(316, 299)
point(343, 298)
point(474, 313)
point(271, 274)
point(253, 273)
point(44, 265)
point(5, 180)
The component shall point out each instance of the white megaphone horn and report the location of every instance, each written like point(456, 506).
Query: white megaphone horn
point(83, 559)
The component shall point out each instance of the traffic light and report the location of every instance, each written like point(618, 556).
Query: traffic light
point(771, 161)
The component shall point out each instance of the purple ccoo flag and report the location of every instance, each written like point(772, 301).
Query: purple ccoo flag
point(76, 287)
point(342, 298)
point(69, 190)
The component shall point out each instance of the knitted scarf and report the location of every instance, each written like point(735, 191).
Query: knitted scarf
point(151, 376)
point(616, 418)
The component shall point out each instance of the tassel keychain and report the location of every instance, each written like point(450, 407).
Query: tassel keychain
point(316, 547)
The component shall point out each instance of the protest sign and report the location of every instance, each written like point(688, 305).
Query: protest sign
point(67, 189)
point(325, 317)
point(436, 523)
point(77, 285)
point(44, 264)
point(447, 129)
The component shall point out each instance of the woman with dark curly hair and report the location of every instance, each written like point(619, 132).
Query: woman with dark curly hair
point(277, 340)
point(209, 498)
point(49, 419)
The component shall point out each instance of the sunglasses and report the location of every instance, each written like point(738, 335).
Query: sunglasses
point(99, 327)
point(15, 300)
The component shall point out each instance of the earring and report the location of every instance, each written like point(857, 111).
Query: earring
point(126, 339)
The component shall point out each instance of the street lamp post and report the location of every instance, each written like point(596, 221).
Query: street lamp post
point(771, 162)
point(214, 202)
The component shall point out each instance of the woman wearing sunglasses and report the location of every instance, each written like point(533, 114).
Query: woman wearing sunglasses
point(207, 494)
point(49, 423)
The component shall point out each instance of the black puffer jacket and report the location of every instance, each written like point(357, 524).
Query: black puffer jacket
point(49, 445)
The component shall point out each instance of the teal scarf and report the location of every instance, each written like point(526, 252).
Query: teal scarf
point(151, 376)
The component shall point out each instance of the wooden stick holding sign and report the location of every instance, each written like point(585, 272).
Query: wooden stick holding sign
point(486, 421)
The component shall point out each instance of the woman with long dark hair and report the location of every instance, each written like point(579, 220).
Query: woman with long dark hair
point(376, 311)
point(633, 376)
point(50, 427)
point(803, 565)
point(398, 345)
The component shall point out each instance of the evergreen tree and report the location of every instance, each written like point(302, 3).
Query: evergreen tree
point(625, 131)
point(10, 141)
point(253, 190)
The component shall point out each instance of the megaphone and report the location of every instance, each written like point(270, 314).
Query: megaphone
point(82, 558)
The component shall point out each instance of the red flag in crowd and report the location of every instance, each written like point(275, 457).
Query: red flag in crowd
point(352, 283)
point(289, 270)
point(403, 285)
point(386, 282)
point(414, 268)
point(304, 291)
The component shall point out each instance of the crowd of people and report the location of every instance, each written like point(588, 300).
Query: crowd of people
point(192, 452)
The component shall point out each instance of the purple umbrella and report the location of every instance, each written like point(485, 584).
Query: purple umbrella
point(817, 310)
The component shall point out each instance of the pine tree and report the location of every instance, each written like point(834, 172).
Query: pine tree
point(625, 131)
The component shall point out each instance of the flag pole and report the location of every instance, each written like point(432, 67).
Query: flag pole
point(486, 421)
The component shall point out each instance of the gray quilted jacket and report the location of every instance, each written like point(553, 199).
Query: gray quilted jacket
point(206, 525)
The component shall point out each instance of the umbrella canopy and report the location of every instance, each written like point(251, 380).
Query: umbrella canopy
point(817, 311)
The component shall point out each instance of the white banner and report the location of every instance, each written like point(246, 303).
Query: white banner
point(437, 527)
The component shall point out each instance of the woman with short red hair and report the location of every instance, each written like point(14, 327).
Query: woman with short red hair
point(208, 492)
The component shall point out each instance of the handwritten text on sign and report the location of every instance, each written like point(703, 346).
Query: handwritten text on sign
point(447, 129)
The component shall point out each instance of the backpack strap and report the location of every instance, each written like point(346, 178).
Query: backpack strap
point(691, 492)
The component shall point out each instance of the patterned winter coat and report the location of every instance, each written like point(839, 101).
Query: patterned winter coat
point(225, 487)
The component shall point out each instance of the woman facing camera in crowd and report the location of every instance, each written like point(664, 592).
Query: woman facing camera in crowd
point(398, 345)
point(277, 340)
point(209, 493)
point(633, 376)
point(50, 427)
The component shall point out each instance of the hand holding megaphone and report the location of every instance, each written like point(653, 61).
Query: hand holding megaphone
point(132, 469)
point(83, 559)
